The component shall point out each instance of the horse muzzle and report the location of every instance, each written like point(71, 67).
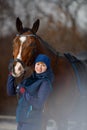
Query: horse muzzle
point(18, 68)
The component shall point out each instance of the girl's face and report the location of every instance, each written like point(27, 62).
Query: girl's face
point(40, 67)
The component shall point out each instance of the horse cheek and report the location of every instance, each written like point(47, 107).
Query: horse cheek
point(24, 56)
point(15, 53)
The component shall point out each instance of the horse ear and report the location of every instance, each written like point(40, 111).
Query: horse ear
point(19, 25)
point(35, 26)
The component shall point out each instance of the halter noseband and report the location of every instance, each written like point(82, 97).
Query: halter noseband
point(20, 61)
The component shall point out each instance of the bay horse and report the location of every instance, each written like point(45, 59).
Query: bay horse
point(63, 106)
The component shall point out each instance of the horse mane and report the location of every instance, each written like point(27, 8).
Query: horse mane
point(49, 47)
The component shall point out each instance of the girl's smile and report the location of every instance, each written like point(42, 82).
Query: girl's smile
point(40, 67)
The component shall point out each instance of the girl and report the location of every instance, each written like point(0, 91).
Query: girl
point(33, 93)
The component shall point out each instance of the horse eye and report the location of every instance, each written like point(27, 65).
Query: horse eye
point(32, 44)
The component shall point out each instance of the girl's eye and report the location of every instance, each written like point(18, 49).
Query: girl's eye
point(38, 63)
point(43, 65)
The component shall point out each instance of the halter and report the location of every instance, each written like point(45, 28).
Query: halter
point(20, 61)
point(30, 35)
point(41, 41)
point(26, 35)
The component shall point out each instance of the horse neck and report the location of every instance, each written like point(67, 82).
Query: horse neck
point(45, 48)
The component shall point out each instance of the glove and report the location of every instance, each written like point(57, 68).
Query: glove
point(20, 90)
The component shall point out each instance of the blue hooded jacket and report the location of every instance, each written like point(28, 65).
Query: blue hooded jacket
point(31, 103)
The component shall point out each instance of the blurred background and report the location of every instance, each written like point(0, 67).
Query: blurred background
point(63, 24)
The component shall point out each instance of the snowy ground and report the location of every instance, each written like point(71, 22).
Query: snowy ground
point(7, 123)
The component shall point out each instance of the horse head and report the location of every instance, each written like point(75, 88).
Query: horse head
point(24, 47)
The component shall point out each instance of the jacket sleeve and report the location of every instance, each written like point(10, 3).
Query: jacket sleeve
point(38, 101)
point(10, 86)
